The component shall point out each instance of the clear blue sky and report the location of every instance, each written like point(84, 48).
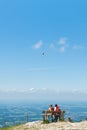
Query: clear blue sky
point(56, 27)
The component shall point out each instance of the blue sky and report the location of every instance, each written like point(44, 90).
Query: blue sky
point(56, 27)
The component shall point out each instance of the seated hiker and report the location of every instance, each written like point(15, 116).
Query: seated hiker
point(51, 109)
point(57, 113)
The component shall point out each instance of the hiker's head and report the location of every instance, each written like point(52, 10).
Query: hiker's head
point(51, 105)
point(56, 105)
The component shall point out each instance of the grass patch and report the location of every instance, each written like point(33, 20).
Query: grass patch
point(7, 128)
point(61, 120)
point(10, 127)
point(46, 122)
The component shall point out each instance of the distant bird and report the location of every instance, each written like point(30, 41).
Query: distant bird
point(43, 53)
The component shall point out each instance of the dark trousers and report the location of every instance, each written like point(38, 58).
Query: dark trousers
point(56, 117)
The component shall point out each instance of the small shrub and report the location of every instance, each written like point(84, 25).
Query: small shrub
point(61, 120)
point(45, 121)
point(70, 120)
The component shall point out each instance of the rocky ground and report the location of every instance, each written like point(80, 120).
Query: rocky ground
point(56, 126)
point(38, 125)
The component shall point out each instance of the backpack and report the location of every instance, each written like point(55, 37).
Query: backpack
point(52, 109)
point(57, 109)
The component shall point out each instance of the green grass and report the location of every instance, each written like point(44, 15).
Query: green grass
point(7, 128)
point(10, 127)
point(45, 121)
point(61, 120)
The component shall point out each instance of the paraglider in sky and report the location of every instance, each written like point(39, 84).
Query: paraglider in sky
point(43, 53)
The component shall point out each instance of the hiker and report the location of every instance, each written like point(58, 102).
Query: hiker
point(57, 113)
point(51, 109)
